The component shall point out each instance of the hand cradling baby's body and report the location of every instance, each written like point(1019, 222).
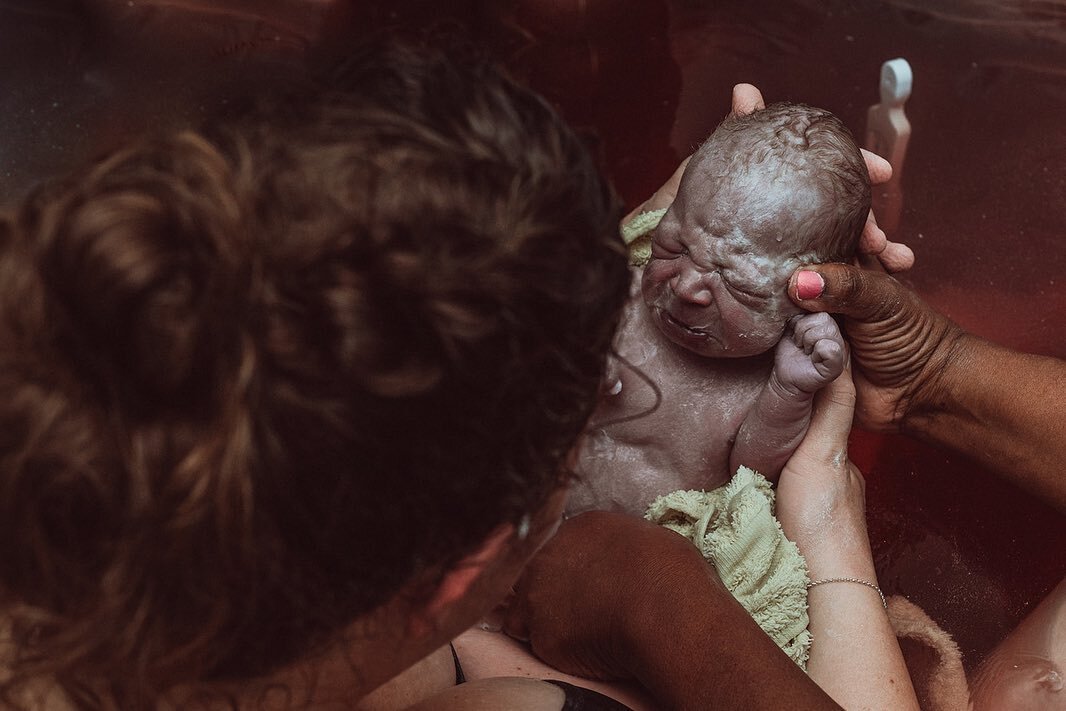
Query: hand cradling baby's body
point(709, 324)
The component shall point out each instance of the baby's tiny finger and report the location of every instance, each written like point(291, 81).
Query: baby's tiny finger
point(813, 327)
point(827, 350)
point(821, 326)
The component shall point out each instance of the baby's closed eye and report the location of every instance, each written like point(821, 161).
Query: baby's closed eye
point(746, 294)
point(667, 248)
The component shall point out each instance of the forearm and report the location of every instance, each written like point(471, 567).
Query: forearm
point(1005, 410)
point(771, 431)
point(854, 656)
point(616, 597)
point(705, 651)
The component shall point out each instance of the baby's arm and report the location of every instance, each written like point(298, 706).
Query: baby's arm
point(809, 355)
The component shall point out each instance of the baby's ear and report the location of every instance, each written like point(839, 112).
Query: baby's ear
point(454, 586)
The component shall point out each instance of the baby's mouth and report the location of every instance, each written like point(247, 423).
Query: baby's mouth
point(699, 332)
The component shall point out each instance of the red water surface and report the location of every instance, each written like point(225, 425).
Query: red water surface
point(984, 184)
point(984, 209)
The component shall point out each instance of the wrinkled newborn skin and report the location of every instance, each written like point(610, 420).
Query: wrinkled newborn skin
point(710, 323)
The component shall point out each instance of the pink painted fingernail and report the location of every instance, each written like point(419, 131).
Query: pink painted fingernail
point(809, 285)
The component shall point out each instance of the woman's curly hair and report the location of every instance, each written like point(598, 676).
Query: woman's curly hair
point(254, 380)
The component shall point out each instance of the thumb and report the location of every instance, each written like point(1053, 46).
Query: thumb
point(844, 289)
point(834, 408)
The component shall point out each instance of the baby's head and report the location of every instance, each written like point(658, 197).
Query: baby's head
point(768, 192)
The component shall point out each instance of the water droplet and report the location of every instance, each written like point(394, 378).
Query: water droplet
point(1052, 679)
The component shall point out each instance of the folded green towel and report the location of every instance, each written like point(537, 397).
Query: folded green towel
point(637, 235)
point(735, 529)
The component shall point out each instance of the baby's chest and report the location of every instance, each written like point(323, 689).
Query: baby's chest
point(661, 399)
point(658, 430)
point(666, 420)
point(654, 383)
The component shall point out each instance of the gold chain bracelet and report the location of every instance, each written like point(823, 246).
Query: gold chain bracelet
point(867, 583)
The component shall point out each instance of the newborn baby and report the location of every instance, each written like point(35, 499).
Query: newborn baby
point(715, 367)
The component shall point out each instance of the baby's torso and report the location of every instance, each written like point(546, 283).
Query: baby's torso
point(635, 451)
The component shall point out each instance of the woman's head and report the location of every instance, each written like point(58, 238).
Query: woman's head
point(256, 380)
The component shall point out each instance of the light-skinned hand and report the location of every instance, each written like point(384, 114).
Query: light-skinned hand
point(821, 493)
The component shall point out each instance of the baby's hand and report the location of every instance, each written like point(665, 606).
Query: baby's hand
point(810, 354)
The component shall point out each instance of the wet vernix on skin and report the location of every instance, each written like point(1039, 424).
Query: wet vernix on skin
point(710, 325)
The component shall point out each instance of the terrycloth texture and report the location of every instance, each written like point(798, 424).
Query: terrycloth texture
point(933, 659)
point(735, 529)
point(637, 235)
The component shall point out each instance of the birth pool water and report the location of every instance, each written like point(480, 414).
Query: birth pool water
point(984, 183)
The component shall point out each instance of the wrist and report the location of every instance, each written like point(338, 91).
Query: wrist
point(837, 533)
point(849, 580)
point(837, 550)
point(846, 566)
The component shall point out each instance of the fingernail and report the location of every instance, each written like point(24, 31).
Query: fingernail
point(809, 285)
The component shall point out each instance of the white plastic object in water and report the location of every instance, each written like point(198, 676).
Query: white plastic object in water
point(887, 127)
point(887, 134)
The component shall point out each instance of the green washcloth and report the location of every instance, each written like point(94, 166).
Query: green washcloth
point(736, 531)
point(637, 235)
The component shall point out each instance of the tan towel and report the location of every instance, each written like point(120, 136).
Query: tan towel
point(735, 529)
point(933, 659)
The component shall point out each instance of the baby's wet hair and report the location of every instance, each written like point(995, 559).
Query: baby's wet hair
point(816, 144)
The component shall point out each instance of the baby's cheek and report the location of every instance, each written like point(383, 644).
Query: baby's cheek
point(784, 309)
point(766, 326)
point(656, 274)
point(762, 338)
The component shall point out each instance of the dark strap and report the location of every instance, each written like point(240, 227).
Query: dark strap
point(578, 698)
point(459, 676)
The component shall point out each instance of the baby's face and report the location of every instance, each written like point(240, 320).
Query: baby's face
point(716, 282)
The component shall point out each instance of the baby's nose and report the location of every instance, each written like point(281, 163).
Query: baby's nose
point(691, 286)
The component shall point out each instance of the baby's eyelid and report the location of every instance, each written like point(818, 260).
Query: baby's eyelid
point(675, 248)
point(741, 289)
point(745, 292)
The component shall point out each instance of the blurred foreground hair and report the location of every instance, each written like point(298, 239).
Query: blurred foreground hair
point(256, 379)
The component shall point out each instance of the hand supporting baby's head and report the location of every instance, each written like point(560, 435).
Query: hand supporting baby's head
point(768, 192)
